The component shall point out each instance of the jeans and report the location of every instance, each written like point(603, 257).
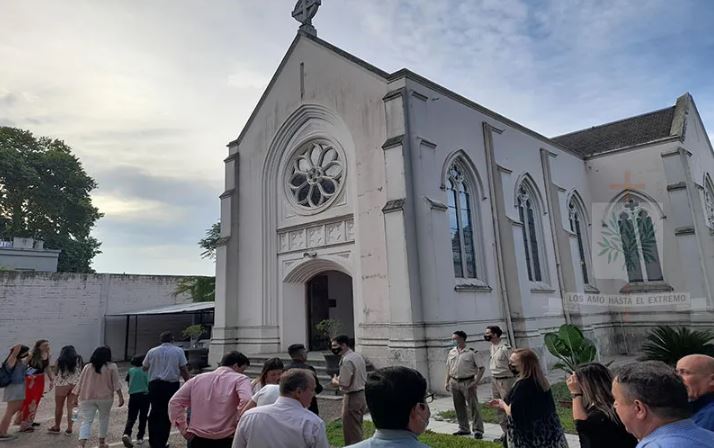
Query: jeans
point(160, 392)
point(88, 410)
point(138, 406)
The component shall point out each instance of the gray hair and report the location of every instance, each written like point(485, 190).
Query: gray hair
point(657, 385)
point(294, 380)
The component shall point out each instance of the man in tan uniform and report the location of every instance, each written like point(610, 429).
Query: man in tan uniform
point(351, 381)
point(502, 378)
point(462, 377)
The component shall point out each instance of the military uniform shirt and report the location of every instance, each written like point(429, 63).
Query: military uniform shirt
point(462, 364)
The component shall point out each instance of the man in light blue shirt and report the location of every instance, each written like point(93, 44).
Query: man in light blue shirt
point(166, 365)
point(651, 400)
point(396, 397)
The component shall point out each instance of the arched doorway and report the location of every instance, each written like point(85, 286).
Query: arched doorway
point(328, 296)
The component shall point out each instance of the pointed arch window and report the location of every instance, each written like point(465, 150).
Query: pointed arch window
point(462, 216)
point(578, 227)
point(639, 243)
point(529, 214)
point(709, 201)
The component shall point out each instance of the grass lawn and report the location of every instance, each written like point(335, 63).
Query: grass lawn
point(334, 436)
point(560, 393)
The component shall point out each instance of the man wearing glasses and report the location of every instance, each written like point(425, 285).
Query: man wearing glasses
point(397, 401)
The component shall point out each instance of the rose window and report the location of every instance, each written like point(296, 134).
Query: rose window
point(316, 175)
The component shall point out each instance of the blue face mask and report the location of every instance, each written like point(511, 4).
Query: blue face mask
point(454, 343)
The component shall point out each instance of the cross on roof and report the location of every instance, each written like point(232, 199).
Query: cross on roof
point(304, 11)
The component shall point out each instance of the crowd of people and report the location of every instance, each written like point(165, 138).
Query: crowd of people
point(644, 404)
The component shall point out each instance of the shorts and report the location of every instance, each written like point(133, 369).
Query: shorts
point(14, 392)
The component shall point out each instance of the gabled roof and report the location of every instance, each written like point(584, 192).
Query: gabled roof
point(651, 127)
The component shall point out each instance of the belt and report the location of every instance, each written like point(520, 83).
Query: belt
point(468, 378)
point(354, 392)
point(502, 377)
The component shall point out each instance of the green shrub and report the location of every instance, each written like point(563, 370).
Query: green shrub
point(668, 344)
point(571, 347)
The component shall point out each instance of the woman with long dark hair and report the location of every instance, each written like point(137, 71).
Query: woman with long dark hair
point(532, 421)
point(593, 410)
point(95, 390)
point(272, 369)
point(14, 393)
point(69, 366)
point(37, 368)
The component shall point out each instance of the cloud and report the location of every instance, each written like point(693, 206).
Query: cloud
point(148, 93)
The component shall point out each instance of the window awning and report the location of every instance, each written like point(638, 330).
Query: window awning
point(182, 308)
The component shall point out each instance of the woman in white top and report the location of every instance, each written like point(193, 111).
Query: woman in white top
point(68, 368)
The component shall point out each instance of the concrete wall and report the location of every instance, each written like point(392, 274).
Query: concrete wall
point(70, 308)
point(41, 260)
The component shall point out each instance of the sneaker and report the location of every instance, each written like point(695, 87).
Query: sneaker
point(478, 436)
point(126, 440)
point(461, 433)
point(140, 442)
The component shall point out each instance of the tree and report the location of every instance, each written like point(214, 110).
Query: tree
point(210, 242)
point(45, 194)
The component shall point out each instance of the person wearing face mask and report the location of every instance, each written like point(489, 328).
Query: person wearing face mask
point(351, 381)
point(502, 378)
point(397, 401)
point(462, 377)
point(532, 418)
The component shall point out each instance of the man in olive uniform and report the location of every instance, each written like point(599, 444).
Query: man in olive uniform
point(502, 378)
point(462, 377)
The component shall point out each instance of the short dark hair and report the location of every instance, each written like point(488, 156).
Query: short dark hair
point(657, 385)
point(232, 358)
point(495, 329)
point(137, 360)
point(342, 339)
point(294, 349)
point(166, 336)
point(460, 334)
point(392, 393)
point(295, 379)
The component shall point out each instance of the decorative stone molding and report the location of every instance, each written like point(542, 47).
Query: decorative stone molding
point(685, 230)
point(393, 141)
point(634, 288)
point(313, 236)
point(393, 205)
point(436, 205)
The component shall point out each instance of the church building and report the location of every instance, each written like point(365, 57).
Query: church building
point(406, 211)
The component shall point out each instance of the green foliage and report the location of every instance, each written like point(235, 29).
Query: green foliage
point(560, 392)
point(328, 327)
point(668, 344)
point(45, 194)
point(434, 440)
point(193, 331)
point(571, 347)
point(210, 241)
point(201, 289)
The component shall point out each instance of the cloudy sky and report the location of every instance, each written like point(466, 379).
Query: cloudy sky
point(148, 92)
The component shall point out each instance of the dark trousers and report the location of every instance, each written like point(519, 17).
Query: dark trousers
point(200, 442)
point(138, 406)
point(160, 392)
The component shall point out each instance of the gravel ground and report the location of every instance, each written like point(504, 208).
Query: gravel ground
point(329, 410)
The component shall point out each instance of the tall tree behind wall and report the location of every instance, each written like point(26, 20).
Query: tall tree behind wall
point(44, 194)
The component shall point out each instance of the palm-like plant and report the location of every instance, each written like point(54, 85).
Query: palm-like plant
point(571, 347)
point(667, 344)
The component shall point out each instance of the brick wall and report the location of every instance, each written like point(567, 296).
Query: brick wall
point(70, 308)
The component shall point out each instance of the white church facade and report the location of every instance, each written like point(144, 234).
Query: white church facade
point(407, 211)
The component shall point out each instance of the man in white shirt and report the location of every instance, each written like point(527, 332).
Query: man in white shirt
point(286, 423)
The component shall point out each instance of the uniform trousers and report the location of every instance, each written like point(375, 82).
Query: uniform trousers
point(200, 442)
point(160, 392)
point(466, 404)
point(354, 406)
point(500, 387)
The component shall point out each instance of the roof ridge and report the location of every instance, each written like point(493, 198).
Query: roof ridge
point(621, 120)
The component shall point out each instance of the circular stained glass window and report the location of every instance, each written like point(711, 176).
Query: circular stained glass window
point(315, 175)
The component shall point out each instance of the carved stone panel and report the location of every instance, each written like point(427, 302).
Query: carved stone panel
point(314, 236)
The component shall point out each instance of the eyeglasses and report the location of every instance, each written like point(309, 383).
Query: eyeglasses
point(429, 398)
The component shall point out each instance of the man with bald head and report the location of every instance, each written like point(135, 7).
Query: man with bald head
point(697, 372)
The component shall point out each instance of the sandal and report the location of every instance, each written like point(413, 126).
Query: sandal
point(53, 430)
point(28, 429)
point(68, 431)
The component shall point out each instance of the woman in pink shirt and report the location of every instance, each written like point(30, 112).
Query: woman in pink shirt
point(95, 390)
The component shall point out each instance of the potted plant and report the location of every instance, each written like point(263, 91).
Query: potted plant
point(328, 329)
point(196, 354)
point(572, 348)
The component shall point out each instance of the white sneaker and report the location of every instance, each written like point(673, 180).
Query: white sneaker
point(126, 440)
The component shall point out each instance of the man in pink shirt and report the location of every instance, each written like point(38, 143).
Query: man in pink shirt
point(214, 400)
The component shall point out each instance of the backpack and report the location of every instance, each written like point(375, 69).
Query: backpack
point(5, 376)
